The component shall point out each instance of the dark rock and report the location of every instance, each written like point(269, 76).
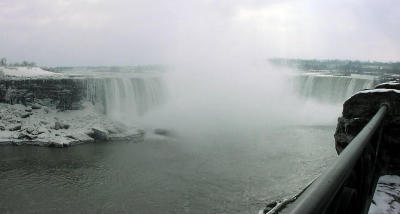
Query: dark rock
point(57, 125)
point(99, 134)
point(36, 106)
point(163, 132)
point(389, 85)
point(76, 106)
point(60, 125)
point(65, 94)
point(21, 135)
point(81, 137)
point(29, 109)
point(25, 115)
point(15, 127)
point(361, 107)
point(26, 136)
point(64, 125)
point(29, 130)
point(270, 206)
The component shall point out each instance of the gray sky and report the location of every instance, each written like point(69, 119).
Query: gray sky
point(128, 32)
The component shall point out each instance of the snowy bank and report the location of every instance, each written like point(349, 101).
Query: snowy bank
point(38, 124)
point(387, 196)
point(25, 72)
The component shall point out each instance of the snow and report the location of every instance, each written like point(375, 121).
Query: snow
point(379, 90)
point(386, 196)
point(389, 83)
point(25, 72)
point(48, 126)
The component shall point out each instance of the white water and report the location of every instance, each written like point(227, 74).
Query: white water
point(331, 89)
point(126, 98)
point(202, 100)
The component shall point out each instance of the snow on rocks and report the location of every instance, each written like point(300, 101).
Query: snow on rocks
point(46, 126)
point(25, 72)
point(386, 196)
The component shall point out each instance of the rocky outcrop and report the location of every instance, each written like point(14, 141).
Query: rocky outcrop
point(48, 126)
point(362, 106)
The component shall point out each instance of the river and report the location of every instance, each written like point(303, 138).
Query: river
point(222, 173)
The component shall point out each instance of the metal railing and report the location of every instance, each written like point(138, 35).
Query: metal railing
point(329, 187)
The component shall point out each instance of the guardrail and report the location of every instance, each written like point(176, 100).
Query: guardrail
point(346, 186)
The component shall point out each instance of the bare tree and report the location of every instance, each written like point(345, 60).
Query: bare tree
point(3, 61)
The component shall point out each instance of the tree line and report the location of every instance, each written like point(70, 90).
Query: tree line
point(351, 66)
point(4, 63)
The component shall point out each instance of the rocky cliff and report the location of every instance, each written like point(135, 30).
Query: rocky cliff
point(361, 107)
point(64, 93)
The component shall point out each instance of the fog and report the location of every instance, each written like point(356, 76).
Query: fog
point(236, 99)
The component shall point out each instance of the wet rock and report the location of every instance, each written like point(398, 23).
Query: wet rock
point(60, 125)
point(57, 125)
point(36, 106)
point(65, 126)
point(25, 115)
point(81, 137)
point(270, 206)
point(15, 127)
point(23, 135)
point(29, 129)
point(41, 130)
point(76, 106)
point(99, 133)
point(163, 132)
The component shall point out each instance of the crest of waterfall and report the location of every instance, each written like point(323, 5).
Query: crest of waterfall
point(125, 99)
point(329, 88)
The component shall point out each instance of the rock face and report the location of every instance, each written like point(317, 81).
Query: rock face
point(361, 107)
point(64, 93)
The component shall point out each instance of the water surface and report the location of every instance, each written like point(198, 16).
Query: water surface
point(218, 173)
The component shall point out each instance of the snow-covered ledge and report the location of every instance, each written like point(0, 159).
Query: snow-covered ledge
point(25, 72)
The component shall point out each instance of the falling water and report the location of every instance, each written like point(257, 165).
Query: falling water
point(126, 98)
point(329, 88)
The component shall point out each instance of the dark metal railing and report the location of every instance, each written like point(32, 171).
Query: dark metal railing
point(320, 195)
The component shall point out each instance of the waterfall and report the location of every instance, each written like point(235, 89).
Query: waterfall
point(329, 88)
point(125, 99)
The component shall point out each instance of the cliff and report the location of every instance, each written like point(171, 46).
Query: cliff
point(360, 108)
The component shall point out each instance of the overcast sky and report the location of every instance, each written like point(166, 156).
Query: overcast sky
point(128, 32)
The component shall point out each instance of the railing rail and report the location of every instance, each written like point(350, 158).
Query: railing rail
point(318, 196)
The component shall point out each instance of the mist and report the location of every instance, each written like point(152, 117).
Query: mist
point(237, 98)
